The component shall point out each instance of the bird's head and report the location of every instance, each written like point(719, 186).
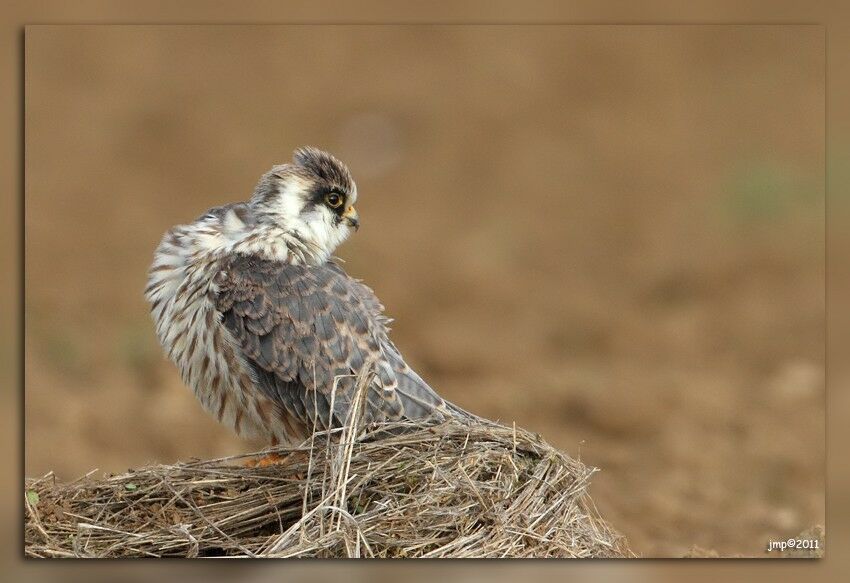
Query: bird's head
point(311, 198)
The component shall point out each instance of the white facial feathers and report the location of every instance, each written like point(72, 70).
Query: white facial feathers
point(295, 199)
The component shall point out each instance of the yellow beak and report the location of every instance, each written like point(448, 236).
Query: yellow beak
point(352, 218)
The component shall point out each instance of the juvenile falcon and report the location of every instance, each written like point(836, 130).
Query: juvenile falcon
point(268, 331)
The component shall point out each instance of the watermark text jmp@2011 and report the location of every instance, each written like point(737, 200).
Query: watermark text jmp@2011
point(793, 543)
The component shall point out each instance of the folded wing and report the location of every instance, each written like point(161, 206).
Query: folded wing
point(308, 332)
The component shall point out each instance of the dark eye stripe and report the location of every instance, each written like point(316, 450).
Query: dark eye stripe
point(320, 195)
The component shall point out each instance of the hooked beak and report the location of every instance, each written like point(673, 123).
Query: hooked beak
point(352, 219)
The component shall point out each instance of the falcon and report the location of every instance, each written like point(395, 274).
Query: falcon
point(266, 328)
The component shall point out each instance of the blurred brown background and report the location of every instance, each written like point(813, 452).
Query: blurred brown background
point(610, 235)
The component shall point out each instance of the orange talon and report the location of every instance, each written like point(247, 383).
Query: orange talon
point(267, 460)
point(274, 459)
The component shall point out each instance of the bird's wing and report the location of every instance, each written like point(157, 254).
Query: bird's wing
point(305, 329)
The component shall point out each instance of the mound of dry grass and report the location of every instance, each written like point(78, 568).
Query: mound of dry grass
point(453, 489)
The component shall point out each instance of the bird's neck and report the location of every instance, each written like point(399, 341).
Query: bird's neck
point(280, 244)
point(236, 228)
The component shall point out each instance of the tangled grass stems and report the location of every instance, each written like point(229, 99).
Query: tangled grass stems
point(452, 489)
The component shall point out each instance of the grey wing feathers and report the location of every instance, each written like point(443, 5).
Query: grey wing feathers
point(304, 329)
point(419, 399)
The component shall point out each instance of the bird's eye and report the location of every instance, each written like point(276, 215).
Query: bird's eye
point(333, 199)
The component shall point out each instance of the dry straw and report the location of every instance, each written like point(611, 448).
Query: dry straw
point(453, 489)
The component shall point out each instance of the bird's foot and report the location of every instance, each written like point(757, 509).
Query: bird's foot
point(274, 459)
point(270, 459)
